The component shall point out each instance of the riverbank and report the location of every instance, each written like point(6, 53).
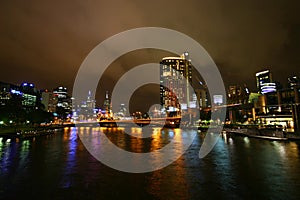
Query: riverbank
point(267, 134)
point(29, 131)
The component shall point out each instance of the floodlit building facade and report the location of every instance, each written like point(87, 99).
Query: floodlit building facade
point(264, 82)
point(175, 76)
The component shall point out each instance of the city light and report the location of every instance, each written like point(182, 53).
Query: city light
point(59, 119)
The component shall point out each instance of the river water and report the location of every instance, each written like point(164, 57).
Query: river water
point(58, 166)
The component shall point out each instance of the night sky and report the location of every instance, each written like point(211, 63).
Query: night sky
point(45, 42)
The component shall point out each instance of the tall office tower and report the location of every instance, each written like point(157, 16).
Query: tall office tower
point(202, 95)
point(90, 102)
point(87, 108)
point(26, 94)
point(264, 82)
point(49, 100)
point(31, 96)
point(107, 103)
point(176, 74)
point(64, 101)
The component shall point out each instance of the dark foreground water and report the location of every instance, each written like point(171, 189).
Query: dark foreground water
point(59, 167)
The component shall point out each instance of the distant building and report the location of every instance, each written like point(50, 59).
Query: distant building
point(49, 100)
point(31, 96)
point(8, 91)
point(64, 101)
point(21, 103)
point(86, 110)
point(293, 81)
point(264, 82)
point(122, 112)
point(106, 111)
point(26, 93)
point(237, 94)
point(107, 103)
point(203, 98)
point(170, 67)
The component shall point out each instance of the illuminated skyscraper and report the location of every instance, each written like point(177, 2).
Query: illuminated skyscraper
point(87, 109)
point(64, 102)
point(30, 95)
point(264, 82)
point(176, 74)
point(107, 103)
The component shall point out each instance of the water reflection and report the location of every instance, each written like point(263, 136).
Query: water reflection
point(70, 163)
point(170, 184)
point(14, 158)
point(59, 167)
point(247, 142)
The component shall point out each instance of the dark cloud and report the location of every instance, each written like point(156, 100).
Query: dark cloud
point(45, 42)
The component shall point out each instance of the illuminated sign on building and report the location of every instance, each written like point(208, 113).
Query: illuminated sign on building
point(218, 99)
point(268, 87)
point(264, 82)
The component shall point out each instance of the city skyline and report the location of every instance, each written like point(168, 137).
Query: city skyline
point(150, 95)
point(149, 99)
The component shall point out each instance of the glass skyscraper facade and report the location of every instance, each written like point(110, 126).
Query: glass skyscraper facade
point(175, 76)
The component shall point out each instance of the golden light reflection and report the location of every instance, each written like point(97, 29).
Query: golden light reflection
point(136, 130)
point(156, 140)
point(157, 181)
point(136, 144)
point(121, 129)
point(177, 131)
point(178, 139)
point(294, 151)
point(65, 135)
